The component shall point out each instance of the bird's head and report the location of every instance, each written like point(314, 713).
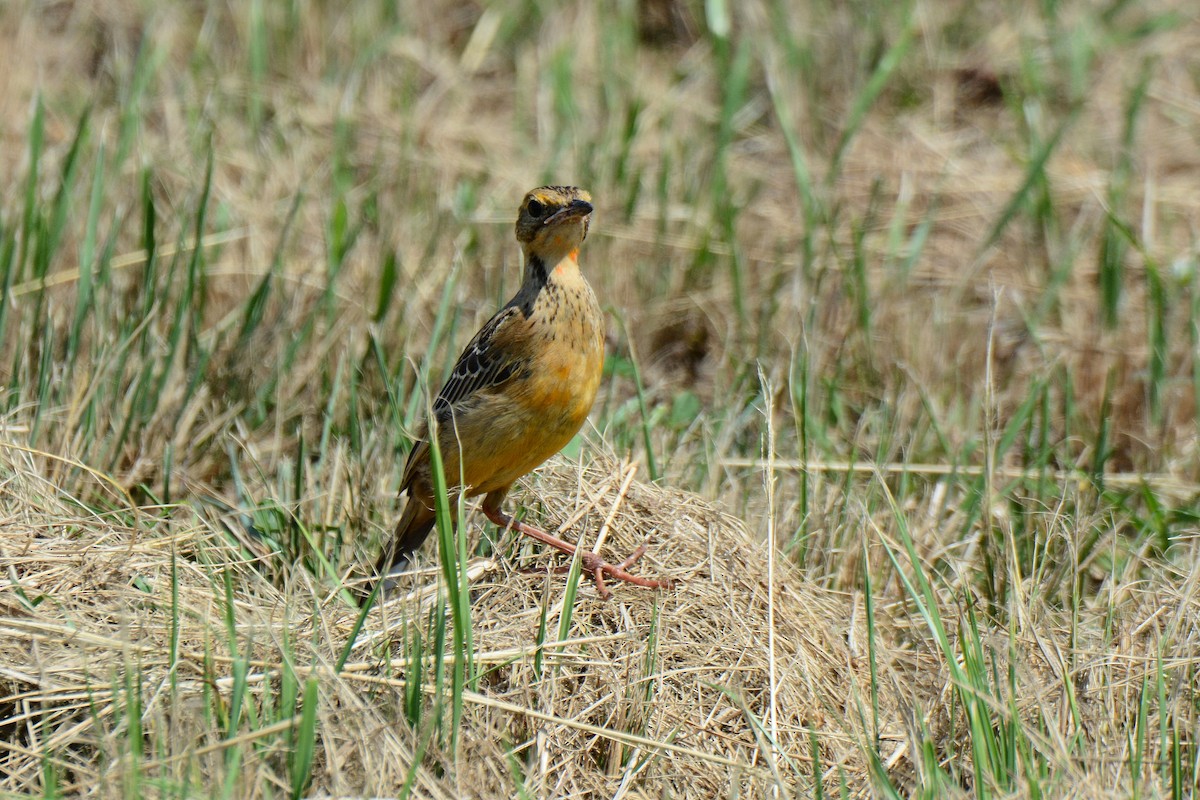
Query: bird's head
point(553, 222)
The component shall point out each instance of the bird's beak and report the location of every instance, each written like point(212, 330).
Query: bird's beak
point(577, 208)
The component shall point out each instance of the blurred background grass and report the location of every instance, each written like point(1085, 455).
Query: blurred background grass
point(952, 244)
point(944, 232)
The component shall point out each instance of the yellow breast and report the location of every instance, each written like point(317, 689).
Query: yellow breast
point(536, 415)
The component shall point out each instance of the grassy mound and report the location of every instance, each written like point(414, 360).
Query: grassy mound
point(112, 626)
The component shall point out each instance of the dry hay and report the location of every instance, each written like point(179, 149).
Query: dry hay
point(616, 710)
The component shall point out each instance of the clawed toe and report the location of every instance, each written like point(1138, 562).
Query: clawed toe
point(598, 567)
point(633, 557)
point(595, 565)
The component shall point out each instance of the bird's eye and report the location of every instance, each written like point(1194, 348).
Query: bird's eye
point(535, 208)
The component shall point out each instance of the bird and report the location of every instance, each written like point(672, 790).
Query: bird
point(519, 392)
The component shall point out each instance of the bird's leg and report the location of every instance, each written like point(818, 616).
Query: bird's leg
point(592, 562)
point(633, 557)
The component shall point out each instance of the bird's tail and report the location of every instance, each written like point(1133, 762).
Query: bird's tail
point(411, 531)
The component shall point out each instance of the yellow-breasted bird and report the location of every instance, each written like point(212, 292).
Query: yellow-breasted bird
point(520, 390)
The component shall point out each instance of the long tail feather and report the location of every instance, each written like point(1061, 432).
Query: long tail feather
point(411, 531)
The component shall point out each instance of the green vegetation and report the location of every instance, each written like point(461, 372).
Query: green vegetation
point(238, 242)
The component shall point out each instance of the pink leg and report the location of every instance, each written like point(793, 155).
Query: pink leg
point(592, 562)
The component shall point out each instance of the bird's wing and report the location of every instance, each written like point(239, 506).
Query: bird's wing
point(487, 362)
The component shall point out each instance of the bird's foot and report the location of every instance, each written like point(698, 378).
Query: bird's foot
point(593, 564)
point(598, 568)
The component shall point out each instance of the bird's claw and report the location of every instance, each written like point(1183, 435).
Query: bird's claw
point(594, 564)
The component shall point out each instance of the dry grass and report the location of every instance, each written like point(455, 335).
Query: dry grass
point(647, 693)
point(607, 710)
point(987, 477)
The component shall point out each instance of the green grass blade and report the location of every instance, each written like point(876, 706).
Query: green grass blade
point(37, 133)
point(882, 74)
point(306, 739)
point(451, 551)
point(87, 254)
point(1035, 174)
